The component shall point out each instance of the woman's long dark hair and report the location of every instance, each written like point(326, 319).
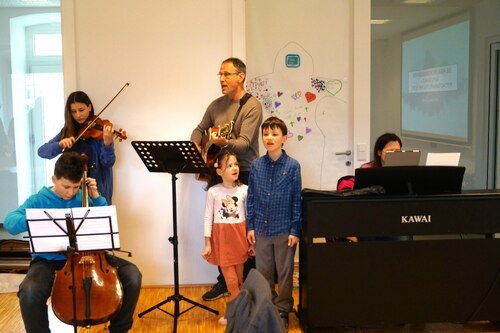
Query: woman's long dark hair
point(71, 126)
point(381, 142)
point(221, 157)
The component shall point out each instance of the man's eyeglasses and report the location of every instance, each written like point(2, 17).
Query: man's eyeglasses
point(226, 74)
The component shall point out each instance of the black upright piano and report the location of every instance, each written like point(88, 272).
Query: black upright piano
point(448, 272)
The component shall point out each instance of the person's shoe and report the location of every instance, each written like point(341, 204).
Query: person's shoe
point(218, 290)
point(284, 319)
point(222, 320)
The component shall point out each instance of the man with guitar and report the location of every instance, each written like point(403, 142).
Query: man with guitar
point(232, 120)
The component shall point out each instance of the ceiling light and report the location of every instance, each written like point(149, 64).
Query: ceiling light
point(382, 21)
point(417, 2)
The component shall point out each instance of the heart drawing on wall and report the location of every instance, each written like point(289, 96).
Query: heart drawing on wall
point(310, 97)
point(334, 86)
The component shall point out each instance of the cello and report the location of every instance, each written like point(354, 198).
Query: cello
point(86, 291)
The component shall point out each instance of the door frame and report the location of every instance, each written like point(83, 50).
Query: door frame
point(493, 107)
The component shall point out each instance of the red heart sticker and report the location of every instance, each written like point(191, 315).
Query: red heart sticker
point(310, 97)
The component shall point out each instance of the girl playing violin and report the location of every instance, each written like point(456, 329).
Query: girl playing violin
point(79, 112)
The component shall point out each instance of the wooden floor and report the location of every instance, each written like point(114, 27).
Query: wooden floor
point(200, 320)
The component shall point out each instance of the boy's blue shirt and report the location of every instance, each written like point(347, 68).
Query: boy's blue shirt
point(274, 205)
point(15, 221)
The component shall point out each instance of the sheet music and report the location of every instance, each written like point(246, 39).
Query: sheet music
point(96, 228)
point(449, 159)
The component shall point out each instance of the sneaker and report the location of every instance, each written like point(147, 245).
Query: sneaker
point(222, 321)
point(218, 290)
point(284, 318)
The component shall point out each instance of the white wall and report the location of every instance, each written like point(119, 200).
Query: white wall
point(170, 52)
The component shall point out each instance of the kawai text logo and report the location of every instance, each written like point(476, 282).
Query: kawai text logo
point(415, 218)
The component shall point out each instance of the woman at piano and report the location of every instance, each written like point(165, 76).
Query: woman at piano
point(386, 142)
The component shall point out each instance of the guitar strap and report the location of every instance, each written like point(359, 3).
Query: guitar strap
point(243, 100)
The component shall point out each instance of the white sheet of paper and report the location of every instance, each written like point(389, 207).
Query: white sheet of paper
point(448, 159)
point(94, 227)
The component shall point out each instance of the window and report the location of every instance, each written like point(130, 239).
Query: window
point(31, 98)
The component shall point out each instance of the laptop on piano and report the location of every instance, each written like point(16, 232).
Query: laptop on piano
point(402, 158)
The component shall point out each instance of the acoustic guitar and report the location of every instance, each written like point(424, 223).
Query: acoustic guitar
point(209, 150)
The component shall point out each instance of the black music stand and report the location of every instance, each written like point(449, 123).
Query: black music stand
point(172, 157)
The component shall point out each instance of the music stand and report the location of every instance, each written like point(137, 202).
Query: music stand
point(96, 229)
point(172, 157)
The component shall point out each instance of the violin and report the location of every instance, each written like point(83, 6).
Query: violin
point(94, 125)
point(93, 128)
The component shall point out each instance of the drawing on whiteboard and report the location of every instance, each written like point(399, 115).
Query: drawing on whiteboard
point(313, 107)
